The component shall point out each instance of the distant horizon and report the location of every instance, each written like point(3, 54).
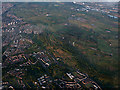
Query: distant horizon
point(59, 0)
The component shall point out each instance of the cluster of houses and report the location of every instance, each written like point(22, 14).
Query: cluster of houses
point(99, 8)
point(17, 58)
point(79, 80)
point(17, 73)
point(31, 29)
point(43, 58)
point(44, 81)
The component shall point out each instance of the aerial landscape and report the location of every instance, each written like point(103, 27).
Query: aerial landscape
point(60, 45)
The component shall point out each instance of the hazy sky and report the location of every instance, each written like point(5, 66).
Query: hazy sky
point(59, 0)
